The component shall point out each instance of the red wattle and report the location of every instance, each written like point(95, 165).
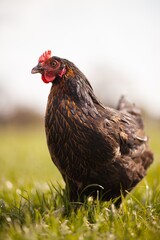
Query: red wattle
point(43, 79)
point(46, 78)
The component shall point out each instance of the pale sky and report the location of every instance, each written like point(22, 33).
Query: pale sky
point(115, 43)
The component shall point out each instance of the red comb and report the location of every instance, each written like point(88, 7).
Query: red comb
point(45, 56)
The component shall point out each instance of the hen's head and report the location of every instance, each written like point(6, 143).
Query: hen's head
point(50, 67)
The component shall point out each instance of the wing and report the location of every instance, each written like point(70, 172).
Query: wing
point(125, 130)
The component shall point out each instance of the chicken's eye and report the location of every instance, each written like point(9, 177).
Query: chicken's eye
point(54, 64)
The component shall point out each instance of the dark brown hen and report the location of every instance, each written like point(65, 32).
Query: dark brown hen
point(96, 148)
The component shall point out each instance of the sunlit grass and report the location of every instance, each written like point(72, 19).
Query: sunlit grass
point(34, 205)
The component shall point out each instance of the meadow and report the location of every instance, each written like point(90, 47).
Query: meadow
point(34, 205)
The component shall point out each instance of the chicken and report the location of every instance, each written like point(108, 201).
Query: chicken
point(97, 149)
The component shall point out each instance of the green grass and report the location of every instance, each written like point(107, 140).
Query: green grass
point(33, 204)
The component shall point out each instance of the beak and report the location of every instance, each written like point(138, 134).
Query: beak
point(37, 69)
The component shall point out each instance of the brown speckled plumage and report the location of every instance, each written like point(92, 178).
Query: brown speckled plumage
point(93, 145)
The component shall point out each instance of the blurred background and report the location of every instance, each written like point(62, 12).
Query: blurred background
point(115, 43)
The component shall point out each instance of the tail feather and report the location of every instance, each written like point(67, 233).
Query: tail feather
point(130, 108)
